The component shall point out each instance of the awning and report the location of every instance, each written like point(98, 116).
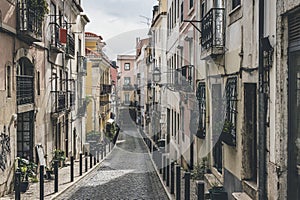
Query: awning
point(110, 121)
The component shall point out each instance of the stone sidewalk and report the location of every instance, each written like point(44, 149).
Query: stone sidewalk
point(64, 181)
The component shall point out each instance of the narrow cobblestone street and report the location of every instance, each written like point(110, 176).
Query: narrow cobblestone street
point(127, 172)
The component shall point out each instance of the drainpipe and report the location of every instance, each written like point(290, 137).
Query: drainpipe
point(261, 111)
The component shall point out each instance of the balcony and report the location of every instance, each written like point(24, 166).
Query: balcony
point(213, 34)
point(81, 65)
point(55, 44)
point(72, 99)
point(25, 90)
point(70, 48)
point(29, 21)
point(59, 101)
point(183, 79)
point(128, 87)
point(105, 89)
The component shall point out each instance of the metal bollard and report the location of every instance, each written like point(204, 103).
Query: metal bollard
point(187, 180)
point(95, 160)
point(164, 167)
point(17, 185)
point(80, 164)
point(172, 177)
point(86, 161)
point(178, 177)
point(97, 156)
point(72, 169)
point(109, 147)
point(102, 151)
point(55, 176)
point(91, 161)
point(105, 150)
point(200, 190)
point(41, 182)
point(160, 162)
point(168, 172)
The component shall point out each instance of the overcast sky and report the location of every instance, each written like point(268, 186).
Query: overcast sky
point(119, 22)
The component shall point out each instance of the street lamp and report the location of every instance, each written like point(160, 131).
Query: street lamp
point(156, 75)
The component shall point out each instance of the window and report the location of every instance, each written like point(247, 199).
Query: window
point(181, 12)
point(231, 111)
point(126, 80)
point(235, 3)
point(191, 4)
point(202, 110)
point(8, 81)
point(203, 9)
point(127, 66)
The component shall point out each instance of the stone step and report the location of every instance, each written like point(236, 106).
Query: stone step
point(240, 196)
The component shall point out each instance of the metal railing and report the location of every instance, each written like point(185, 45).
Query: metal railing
point(29, 19)
point(54, 29)
point(70, 49)
point(25, 89)
point(105, 89)
point(59, 101)
point(213, 29)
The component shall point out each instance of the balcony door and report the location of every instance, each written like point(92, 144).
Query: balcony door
point(25, 82)
point(25, 125)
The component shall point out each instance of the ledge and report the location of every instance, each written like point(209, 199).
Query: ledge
point(240, 196)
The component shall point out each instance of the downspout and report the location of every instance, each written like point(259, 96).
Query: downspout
point(261, 111)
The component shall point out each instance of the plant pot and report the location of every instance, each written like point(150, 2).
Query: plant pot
point(48, 174)
point(218, 193)
point(228, 138)
point(24, 186)
point(200, 134)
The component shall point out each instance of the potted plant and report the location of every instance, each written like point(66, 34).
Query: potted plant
point(201, 133)
point(28, 173)
point(58, 155)
point(226, 135)
point(217, 192)
point(200, 169)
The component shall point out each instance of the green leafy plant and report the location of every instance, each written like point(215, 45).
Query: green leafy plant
point(58, 155)
point(40, 7)
point(200, 169)
point(27, 169)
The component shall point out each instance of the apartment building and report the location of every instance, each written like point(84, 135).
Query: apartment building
point(38, 81)
point(98, 85)
point(237, 68)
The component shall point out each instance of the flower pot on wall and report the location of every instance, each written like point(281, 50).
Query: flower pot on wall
point(218, 193)
point(201, 133)
point(228, 138)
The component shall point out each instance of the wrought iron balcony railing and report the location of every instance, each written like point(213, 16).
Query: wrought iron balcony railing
point(105, 89)
point(183, 79)
point(128, 87)
point(213, 33)
point(59, 101)
point(55, 43)
point(72, 99)
point(29, 20)
point(25, 90)
point(70, 48)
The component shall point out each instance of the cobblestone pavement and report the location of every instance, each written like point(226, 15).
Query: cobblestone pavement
point(127, 173)
point(63, 182)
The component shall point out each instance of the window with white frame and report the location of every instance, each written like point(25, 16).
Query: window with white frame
point(127, 66)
